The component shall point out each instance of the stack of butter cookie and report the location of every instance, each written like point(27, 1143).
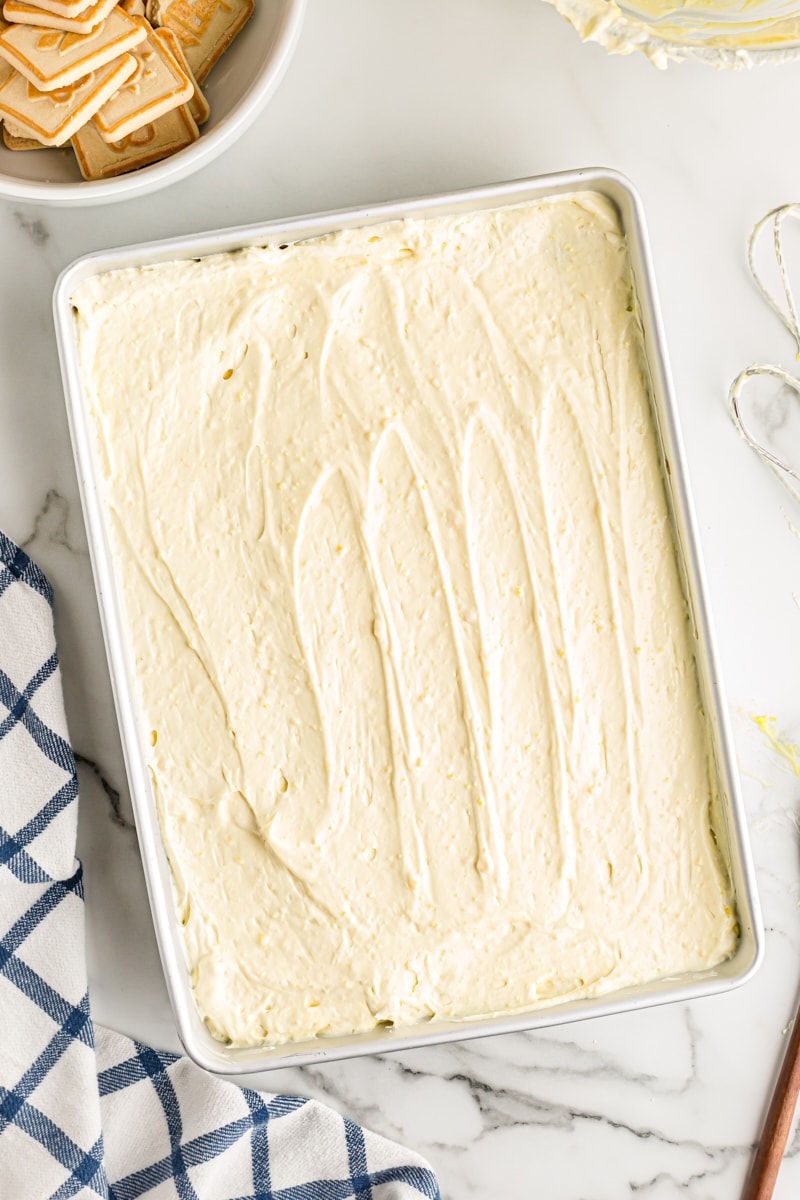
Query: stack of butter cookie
point(118, 82)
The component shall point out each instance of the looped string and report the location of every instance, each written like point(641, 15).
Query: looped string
point(776, 465)
point(777, 217)
point(789, 319)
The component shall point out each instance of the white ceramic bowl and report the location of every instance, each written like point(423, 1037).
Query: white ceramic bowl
point(237, 89)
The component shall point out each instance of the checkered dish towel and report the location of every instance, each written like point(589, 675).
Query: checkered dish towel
point(84, 1111)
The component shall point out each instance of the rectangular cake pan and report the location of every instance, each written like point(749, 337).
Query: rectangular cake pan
point(731, 826)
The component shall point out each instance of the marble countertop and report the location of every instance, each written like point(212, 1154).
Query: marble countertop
point(383, 101)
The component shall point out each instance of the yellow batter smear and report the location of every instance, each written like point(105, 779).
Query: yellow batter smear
point(788, 751)
point(730, 33)
point(415, 670)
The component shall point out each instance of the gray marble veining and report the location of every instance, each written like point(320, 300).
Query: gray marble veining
point(111, 793)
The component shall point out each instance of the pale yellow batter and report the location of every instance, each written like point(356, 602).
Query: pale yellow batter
point(413, 661)
point(722, 32)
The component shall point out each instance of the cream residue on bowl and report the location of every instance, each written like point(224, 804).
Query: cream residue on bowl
point(414, 664)
point(724, 33)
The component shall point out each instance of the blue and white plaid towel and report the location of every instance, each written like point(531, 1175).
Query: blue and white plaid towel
point(84, 1111)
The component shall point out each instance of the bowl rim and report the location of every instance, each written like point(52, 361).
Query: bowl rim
point(185, 162)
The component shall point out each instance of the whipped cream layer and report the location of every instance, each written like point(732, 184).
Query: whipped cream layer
point(411, 652)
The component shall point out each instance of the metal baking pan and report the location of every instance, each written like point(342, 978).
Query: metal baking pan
point(731, 826)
